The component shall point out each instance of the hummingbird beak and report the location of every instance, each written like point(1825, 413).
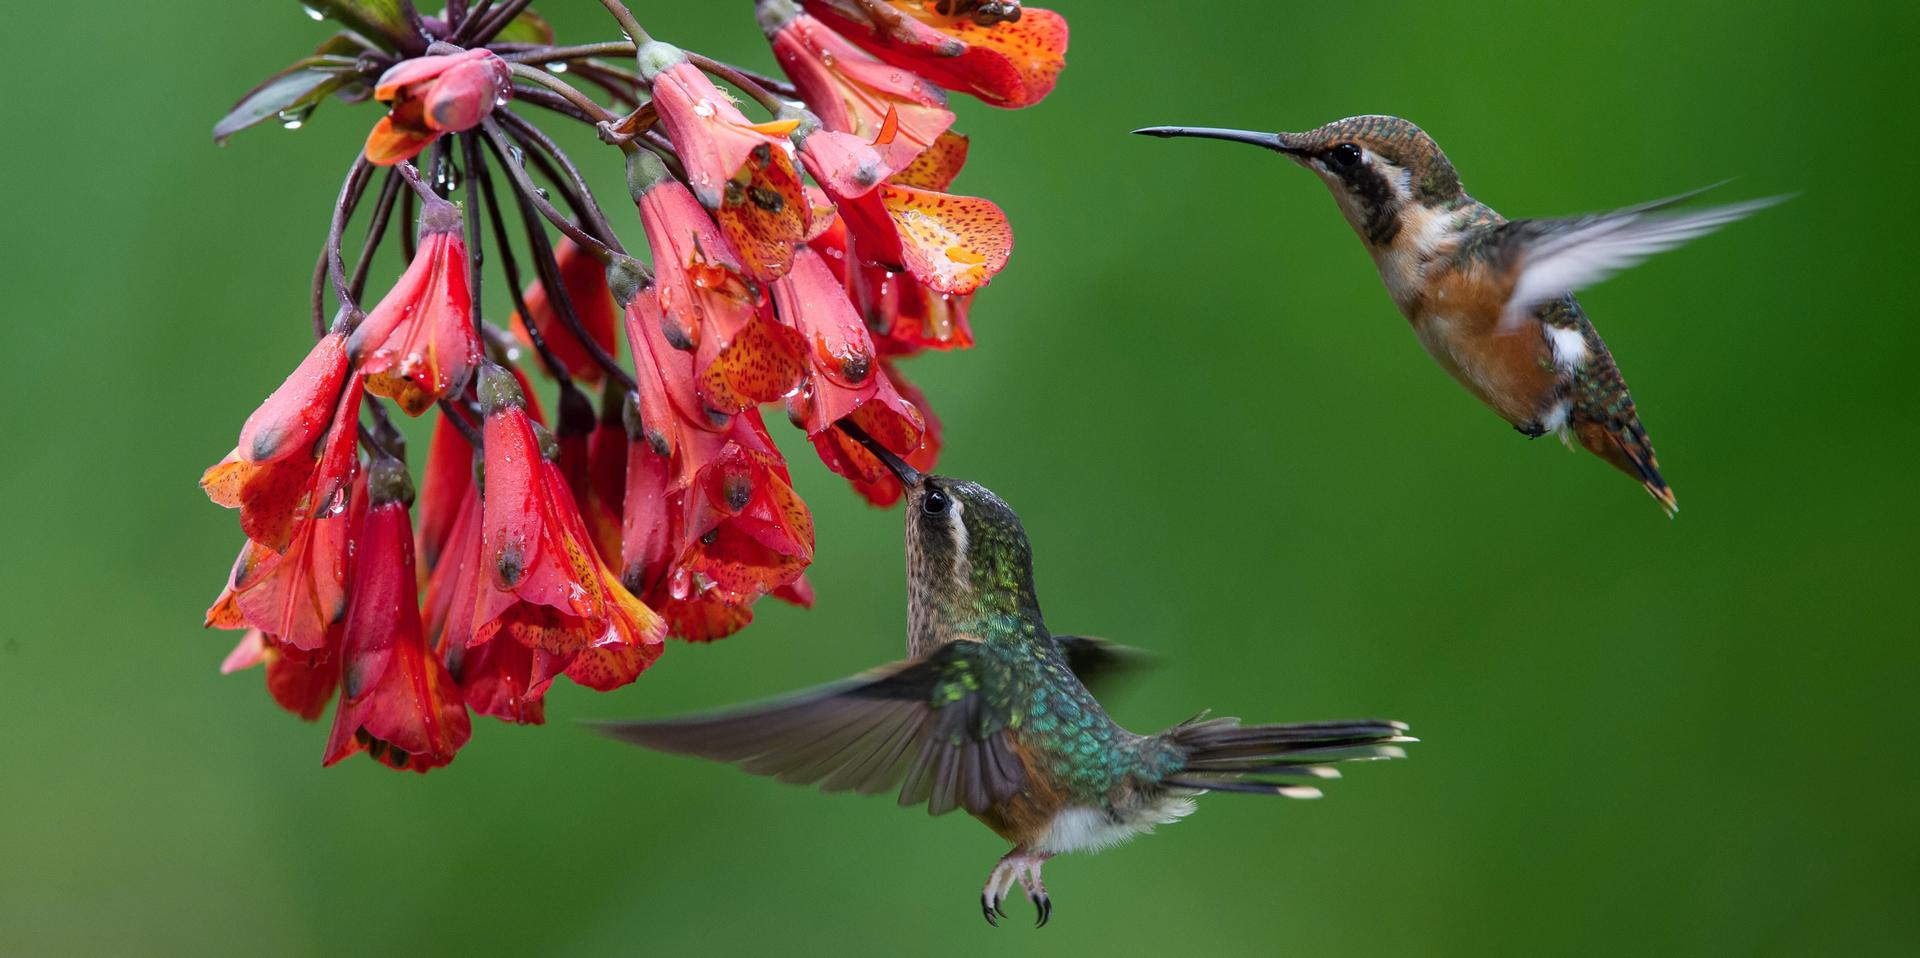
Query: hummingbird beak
point(909, 477)
point(1272, 141)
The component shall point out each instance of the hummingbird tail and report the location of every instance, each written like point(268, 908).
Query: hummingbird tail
point(1223, 755)
point(1628, 449)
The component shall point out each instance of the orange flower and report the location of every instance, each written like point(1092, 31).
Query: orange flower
point(435, 95)
point(418, 345)
point(742, 171)
point(897, 112)
point(1009, 62)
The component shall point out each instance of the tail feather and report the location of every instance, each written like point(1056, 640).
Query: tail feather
point(1223, 755)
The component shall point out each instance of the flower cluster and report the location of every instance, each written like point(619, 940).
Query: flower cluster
point(795, 259)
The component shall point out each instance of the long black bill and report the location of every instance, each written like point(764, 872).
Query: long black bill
point(1271, 141)
point(909, 477)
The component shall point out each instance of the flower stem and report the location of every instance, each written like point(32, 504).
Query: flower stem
point(497, 22)
point(450, 411)
point(628, 25)
point(350, 193)
point(546, 267)
point(530, 196)
point(376, 230)
point(580, 196)
point(584, 102)
point(483, 182)
point(476, 252)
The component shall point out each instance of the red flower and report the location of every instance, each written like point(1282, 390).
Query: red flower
point(903, 314)
point(706, 301)
point(897, 112)
point(503, 679)
point(277, 475)
point(546, 586)
point(1008, 63)
point(742, 171)
point(703, 547)
point(418, 345)
point(954, 244)
point(435, 95)
point(892, 421)
point(397, 701)
point(585, 282)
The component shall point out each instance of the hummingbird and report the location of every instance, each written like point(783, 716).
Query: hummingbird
point(991, 713)
point(1491, 299)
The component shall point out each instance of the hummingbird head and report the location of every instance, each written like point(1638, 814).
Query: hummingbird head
point(1378, 167)
point(968, 558)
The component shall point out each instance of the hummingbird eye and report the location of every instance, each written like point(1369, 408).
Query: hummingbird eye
point(1344, 156)
point(936, 503)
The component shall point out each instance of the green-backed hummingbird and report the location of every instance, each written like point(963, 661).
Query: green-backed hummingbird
point(990, 714)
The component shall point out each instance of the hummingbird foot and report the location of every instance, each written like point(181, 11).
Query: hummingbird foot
point(1018, 865)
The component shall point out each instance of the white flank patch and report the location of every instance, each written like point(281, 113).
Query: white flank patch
point(1569, 346)
point(1556, 418)
point(1092, 829)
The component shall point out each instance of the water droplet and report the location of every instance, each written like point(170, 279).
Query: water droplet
point(295, 118)
point(680, 584)
point(703, 108)
point(540, 191)
point(558, 66)
point(313, 13)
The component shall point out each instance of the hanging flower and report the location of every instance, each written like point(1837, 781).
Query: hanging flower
point(434, 95)
point(397, 702)
point(418, 345)
point(1007, 61)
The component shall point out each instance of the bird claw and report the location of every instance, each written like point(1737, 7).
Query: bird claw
point(1024, 868)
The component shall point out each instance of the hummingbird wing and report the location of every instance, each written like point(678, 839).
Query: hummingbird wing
point(1555, 257)
point(930, 723)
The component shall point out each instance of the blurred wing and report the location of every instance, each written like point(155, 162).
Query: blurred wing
point(1561, 256)
point(926, 722)
point(1096, 661)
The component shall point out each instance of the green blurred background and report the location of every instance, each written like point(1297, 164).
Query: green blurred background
point(1641, 736)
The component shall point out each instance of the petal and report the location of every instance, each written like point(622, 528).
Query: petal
point(1008, 64)
point(444, 490)
point(760, 365)
point(843, 163)
point(296, 413)
point(459, 98)
point(764, 211)
point(954, 244)
point(389, 142)
point(937, 166)
point(814, 304)
point(303, 682)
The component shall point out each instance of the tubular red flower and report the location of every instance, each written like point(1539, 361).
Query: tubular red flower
point(704, 291)
point(443, 491)
point(273, 496)
point(434, 95)
point(742, 171)
point(1012, 63)
point(546, 586)
point(397, 702)
point(418, 345)
point(896, 111)
point(704, 550)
